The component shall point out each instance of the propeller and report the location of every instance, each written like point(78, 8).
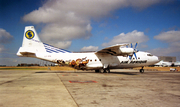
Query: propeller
point(134, 52)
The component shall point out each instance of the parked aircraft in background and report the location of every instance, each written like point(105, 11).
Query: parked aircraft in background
point(163, 64)
point(177, 63)
point(113, 57)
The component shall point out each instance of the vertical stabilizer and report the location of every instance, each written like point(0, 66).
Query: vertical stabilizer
point(30, 37)
point(31, 43)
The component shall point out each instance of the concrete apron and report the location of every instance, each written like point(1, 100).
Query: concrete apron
point(27, 88)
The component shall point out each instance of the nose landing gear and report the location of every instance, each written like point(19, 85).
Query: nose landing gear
point(141, 70)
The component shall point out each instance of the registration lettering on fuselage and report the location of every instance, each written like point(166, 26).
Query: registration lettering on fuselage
point(132, 62)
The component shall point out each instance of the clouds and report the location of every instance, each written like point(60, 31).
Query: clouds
point(66, 20)
point(5, 38)
point(63, 44)
point(165, 51)
point(70, 10)
point(90, 48)
point(172, 38)
point(62, 35)
point(2, 48)
point(142, 3)
point(131, 37)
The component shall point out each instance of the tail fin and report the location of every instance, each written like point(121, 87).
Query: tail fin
point(31, 43)
point(30, 38)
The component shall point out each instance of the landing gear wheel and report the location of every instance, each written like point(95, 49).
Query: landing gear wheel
point(101, 70)
point(141, 70)
point(104, 71)
point(97, 71)
point(108, 70)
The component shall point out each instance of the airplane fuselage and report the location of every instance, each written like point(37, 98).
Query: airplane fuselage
point(97, 61)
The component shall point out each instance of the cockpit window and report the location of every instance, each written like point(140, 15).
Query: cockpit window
point(149, 55)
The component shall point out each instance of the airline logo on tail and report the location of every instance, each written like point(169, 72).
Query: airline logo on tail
point(29, 34)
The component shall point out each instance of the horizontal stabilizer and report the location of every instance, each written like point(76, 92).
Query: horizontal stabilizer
point(26, 52)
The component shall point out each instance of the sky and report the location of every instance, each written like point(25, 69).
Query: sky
point(90, 25)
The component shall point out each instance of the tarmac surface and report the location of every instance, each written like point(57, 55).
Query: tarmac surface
point(120, 88)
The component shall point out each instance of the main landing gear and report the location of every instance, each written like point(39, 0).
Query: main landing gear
point(102, 71)
point(141, 70)
point(106, 70)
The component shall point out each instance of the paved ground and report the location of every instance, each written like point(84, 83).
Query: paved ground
point(121, 88)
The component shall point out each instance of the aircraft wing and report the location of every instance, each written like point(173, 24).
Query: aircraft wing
point(116, 50)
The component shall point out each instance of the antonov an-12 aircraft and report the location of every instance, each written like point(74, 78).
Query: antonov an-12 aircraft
point(113, 57)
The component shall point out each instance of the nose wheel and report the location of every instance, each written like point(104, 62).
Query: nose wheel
point(141, 70)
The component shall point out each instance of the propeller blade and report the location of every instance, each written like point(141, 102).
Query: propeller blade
point(129, 61)
point(130, 58)
point(135, 55)
point(135, 45)
point(126, 46)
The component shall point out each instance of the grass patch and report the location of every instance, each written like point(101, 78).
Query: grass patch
point(23, 68)
point(63, 68)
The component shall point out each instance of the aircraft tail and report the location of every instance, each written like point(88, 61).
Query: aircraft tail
point(31, 38)
point(32, 44)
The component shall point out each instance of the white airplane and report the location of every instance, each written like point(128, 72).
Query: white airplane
point(177, 63)
point(163, 64)
point(113, 57)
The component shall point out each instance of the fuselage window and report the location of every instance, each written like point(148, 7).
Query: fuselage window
point(99, 59)
point(149, 55)
point(95, 60)
point(91, 60)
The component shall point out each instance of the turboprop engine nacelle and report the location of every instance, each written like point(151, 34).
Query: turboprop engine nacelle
point(124, 50)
